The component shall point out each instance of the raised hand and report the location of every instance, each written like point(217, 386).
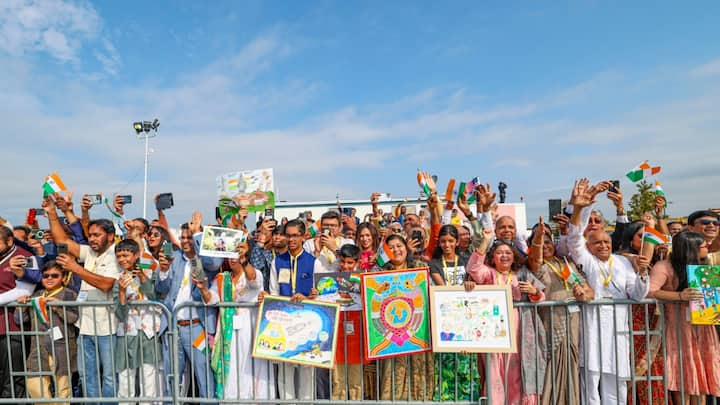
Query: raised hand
point(195, 224)
point(430, 182)
point(617, 199)
point(484, 197)
point(463, 205)
point(601, 187)
point(562, 220)
point(539, 233)
point(582, 194)
point(659, 205)
point(85, 205)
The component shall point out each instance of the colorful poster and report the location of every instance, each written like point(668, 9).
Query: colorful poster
point(296, 332)
point(342, 288)
point(221, 242)
point(396, 313)
point(251, 189)
point(707, 280)
point(477, 321)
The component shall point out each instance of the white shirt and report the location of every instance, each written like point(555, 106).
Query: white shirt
point(98, 321)
point(601, 328)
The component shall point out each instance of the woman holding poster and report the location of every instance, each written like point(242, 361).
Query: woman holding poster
point(457, 375)
point(700, 348)
point(413, 373)
point(504, 265)
point(237, 374)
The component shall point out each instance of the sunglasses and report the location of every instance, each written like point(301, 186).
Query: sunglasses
point(709, 222)
point(155, 234)
point(54, 276)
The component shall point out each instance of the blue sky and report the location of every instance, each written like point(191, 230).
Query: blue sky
point(351, 98)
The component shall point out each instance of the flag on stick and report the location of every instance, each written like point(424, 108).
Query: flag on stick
point(423, 184)
point(53, 184)
point(40, 307)
point(384, 255)
point(653, 236)
point(642, 171)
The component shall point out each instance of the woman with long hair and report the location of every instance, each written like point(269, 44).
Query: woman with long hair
point(522, 372)
point(456, 374)
point(413, 373)
point(366, 238)
point(155, 238)
point(237, 374)
point(563, 282)
point(698, 344)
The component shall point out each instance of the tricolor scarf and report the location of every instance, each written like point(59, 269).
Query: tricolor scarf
point(220, 361)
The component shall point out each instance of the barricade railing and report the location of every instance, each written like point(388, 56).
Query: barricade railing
point(570, 360)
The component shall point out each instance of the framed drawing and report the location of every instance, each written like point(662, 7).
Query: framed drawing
point(707, 280)
point(395, 307)
point(478, 321)
point(296, 332)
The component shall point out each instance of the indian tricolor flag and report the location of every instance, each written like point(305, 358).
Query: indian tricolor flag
point(200, 343)
point(40, 307)
point(314, 230)
point(384, 255)
point(653, 236)
point(658, 189)
point(423, 184)
point(567, 274)
point(148, 262)
point(53, 184)
point(642, 171)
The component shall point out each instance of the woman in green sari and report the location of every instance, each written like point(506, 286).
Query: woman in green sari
point(237, 374)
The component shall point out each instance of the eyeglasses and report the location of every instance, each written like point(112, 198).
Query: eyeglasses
point(595, 221)
point(51, 275)
point(709, 222)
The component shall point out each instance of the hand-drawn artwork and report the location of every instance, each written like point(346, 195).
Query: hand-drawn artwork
point(477, 321)
point(251, 189)
point(221, 242)
point(396, 313)
point(342, 288)
point(707, 280)
point(297, 332)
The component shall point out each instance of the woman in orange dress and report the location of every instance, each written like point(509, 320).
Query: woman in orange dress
point(699, 343)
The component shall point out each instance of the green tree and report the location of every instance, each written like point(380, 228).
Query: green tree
point(642, 201)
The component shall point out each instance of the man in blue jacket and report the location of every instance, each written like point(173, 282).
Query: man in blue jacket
point(291, 275)
point(195, 324)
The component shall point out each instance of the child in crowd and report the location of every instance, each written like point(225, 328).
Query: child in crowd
point(138, 325)
point(53, 347)
point(347, 373)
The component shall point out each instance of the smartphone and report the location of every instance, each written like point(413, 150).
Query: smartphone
point(326, 230)
point(554, 207)
point(217, 213)
point(615, 186)
point(269, 212)
point(164, 201)
point(38, 233)
point(167, 249)
point(39, 212)
point(62, 249)
point(95, 199)
point(417, 235)
point(347, 211)
point(127, 199)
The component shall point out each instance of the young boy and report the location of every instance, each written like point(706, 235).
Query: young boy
point(347, 373)
point(50, 324)
point(138, 325)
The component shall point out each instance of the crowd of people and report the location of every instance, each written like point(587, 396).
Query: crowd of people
point(583, 351)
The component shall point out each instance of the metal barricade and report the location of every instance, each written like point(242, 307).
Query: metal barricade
point(572, 357)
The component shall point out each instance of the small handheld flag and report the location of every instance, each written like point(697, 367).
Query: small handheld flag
point(40, 306)
point(423, 184)
point(200, 343)
point(653, 236)
point(53, 184)
point(642, 171)
point(384, 255)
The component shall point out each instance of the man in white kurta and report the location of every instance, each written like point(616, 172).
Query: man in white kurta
point(606, 338)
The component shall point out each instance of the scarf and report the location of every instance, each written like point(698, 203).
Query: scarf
point(220, 361)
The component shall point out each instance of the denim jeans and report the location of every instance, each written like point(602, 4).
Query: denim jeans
point(90, 367)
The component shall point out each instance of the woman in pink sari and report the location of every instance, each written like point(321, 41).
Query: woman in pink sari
point(522, 372)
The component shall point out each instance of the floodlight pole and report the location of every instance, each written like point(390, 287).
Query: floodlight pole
point(147, 140)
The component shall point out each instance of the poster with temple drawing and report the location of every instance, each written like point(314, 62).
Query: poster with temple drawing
point(478, 321)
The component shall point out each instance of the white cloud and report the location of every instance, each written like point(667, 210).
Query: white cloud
point(711, 68)
point(53, 26)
